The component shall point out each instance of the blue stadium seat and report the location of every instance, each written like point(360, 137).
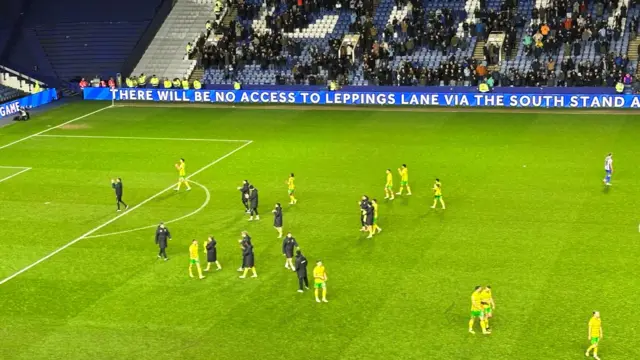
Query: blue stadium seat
point(77, 38)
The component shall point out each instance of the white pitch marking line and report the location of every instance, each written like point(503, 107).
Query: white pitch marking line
point(136, 138)
point(206, 202)
point(24, 169)
point(88, 233)
point(54, 127)
point(14, 167)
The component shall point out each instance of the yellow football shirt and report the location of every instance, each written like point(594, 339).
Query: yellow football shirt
point(389, 179)
point(182, 169)
point(375, 210)
point(475, 301)
point(485, 297)
point(595, 324)
point(437, 191)
point(319, 274)
point(193, 252)
point(291, 183)
point(404, 174)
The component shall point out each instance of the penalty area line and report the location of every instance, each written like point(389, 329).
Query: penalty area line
point(137, 138)
point(24, 169)
point(55, 127)
point(92, 231)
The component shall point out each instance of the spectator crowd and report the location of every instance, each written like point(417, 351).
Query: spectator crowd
point(564, 44)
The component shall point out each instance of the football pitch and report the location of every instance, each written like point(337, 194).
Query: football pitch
point(527, 213)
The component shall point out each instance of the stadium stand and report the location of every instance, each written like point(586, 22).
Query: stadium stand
point(401, 43)
point(13, 79)
point(83, 49)
point(166, 56)
point(453, 42)
point(68, 39)
point(9, 15)
point(8, 94)
point(316, 42)
point(277, 43)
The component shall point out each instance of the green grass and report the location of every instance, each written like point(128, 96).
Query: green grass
point(526, 213)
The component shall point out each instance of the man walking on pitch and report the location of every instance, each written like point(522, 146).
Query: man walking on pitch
point(437, 194)
point(212, 253)
point(277, 219)
point(291, 189)
point(244, 192)
point(364, 204)
point(248, 261)
point(388, 187)
point(595, 334)
point(368, 219)
point(301, 271)
point(376, 229)
point(320, 281)
point(288, 246)
point(194, 259)
point(252, 196)
point(486, 298)
point(181, 166)
point(116, 185)
point(477, 311)
point(404, 179)
point(245, 238)
point(162, 237)
point(608, 169)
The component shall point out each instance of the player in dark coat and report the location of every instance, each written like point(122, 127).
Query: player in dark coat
point(116, 184)
point(301, 271)
point(364, 203)
point(244, 191)
point(368, 219)
point(277, 219)
point(248, 261)
point(288, 246)
point(252, 196)
point(162, 237)
point(244, 238)
point(212, 253)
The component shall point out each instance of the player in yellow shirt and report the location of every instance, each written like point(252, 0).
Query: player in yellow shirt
point(320, 281)
point(388, 187)
point(194, 258)
point(486, 298)
point(595, 334)
point(375, 228)
point(182, 173)
point(477, 311)
point(404, 179)
point(292, 189)
point(437, 194)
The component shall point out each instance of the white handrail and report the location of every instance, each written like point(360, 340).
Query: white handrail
point(11, 71)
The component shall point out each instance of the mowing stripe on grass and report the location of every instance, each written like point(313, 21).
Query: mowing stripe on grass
point(83, 236)
point(204, 204)
point(389, 108)
point(24, 169)
point(55, 127)
point(137, 138)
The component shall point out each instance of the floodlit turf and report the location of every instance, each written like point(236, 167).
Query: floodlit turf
point(526, 213)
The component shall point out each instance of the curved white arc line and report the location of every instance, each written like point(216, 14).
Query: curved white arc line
point(206, 202)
